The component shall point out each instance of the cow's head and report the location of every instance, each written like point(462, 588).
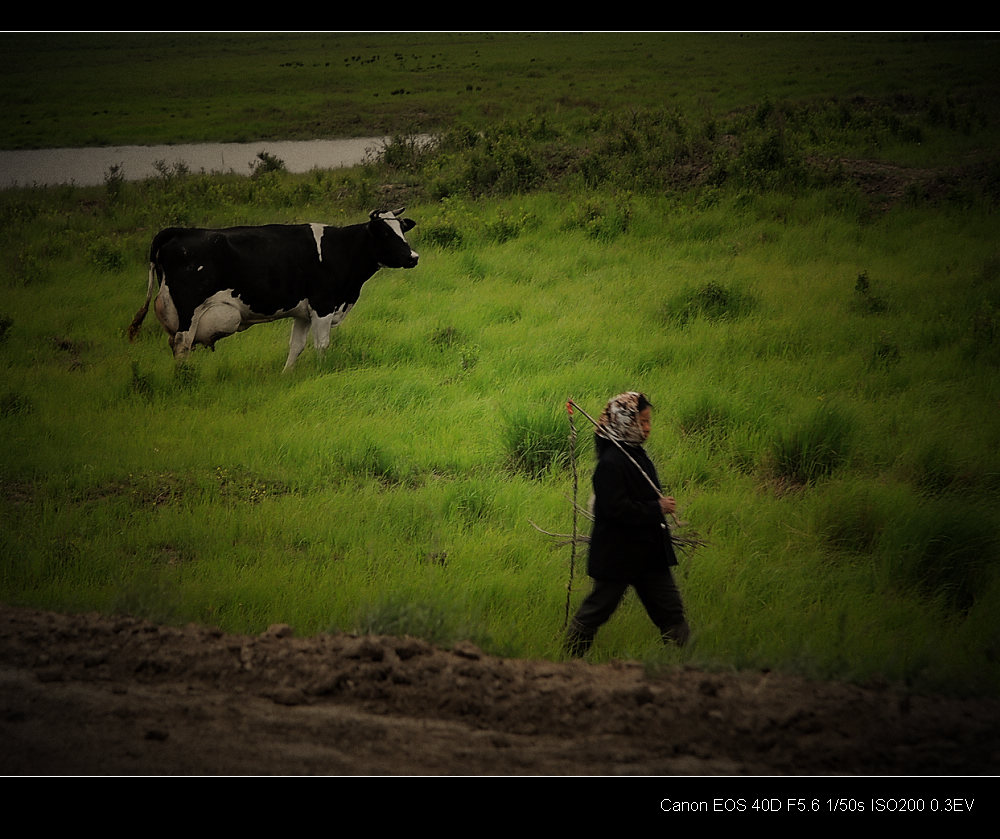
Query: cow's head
point(388, 230)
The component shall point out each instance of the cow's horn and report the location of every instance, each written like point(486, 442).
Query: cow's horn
point(377, 213)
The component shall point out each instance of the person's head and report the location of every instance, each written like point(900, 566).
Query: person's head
point(645, 420)
point(626, 418)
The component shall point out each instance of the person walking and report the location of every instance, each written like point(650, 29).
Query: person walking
point(630, 542)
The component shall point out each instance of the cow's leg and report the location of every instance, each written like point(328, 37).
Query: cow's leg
point(321, 327)
point(300, 331)
point(181, 344)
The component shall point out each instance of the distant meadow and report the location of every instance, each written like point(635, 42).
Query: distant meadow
point(788, 242)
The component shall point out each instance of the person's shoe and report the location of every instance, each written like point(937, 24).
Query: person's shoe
point(578, 640)
point(677, 634)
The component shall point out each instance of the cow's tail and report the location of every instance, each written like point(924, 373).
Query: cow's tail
point(133, 329)
point(153, 281)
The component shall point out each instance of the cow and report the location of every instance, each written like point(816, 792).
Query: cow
point(214, 282)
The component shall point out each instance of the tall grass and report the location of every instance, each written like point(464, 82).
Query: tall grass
point(389, 485)
point(822, 362)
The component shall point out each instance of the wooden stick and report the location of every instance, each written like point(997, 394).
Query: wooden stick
point(572, 555)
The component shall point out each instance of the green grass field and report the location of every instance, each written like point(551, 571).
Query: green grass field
point(823, 358)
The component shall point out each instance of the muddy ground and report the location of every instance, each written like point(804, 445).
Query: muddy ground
point(99, 695)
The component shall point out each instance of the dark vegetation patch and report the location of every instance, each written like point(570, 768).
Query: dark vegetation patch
point(14, 403)
point(767, 147)
point(534, 441)
point(867, 300)
point(152, 490)
point(806, 449)
point(711, 301)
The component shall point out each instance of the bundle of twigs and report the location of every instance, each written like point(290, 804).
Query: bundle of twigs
point(681, 537)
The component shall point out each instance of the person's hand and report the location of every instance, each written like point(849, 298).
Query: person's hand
point(668, 505)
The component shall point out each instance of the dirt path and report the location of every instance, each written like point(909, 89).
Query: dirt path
point(96, 695)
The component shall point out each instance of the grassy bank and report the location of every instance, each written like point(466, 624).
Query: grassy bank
point(839, 453)
point(113, 88)
point(821, 347)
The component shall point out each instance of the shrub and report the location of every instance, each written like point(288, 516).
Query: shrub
point(403, 153)
point(507, 226)
point(371, 461)
point(14, 403)
point(853, 518)
point(711, 301)
point(706, 417)
point(266, 162)
point(804, 452)
point(947, 554)
point(602, 222)
point(441, 233)
point(114, 183)
point(865, 301)
point(885, 354)
point(535, 441)
point(444, 230)
point(402, 616)
point(106, 256)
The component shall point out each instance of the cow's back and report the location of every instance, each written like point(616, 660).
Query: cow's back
point(271, 267)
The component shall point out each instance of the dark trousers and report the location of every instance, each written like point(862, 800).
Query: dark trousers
point(659, 595)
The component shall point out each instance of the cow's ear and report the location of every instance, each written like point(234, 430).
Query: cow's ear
point(407, 224)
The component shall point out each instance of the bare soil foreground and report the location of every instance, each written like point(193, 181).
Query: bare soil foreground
point(99, 695)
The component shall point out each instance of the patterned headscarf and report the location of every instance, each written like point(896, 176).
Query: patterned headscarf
point(620, 418)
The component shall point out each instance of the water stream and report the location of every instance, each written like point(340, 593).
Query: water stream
point(91, 166)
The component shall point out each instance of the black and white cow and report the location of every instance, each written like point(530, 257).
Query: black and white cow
point(213, 283)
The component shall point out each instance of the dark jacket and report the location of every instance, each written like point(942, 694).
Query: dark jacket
point(630, 535)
